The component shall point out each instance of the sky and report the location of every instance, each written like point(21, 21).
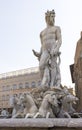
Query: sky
point(21, 22)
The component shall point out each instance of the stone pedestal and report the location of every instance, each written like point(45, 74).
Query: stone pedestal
point(41, 124)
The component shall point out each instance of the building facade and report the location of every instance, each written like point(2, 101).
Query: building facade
point(17, 82)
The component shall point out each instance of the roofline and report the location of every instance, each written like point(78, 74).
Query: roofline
point(19, 72)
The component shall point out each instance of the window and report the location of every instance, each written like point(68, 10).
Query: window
point(33, 84)
point(11, 87)
point(7, 98)
point(14, 86)
point(39, 83)
point(3, 88)
point(7, 87)
point(26, 85)
point(3, 97)
point(20, 85)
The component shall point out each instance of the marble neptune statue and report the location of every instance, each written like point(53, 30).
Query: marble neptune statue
point(49, 55)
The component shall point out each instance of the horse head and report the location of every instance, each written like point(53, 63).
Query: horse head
point(68, 101)
point(52, 99)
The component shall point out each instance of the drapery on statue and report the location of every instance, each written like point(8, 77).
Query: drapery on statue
point(49, 55)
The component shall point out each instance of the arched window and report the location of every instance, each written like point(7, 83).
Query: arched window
point(14, 86)
point(20, 85)
point(26, 85)
point(3, 88)
point(39, 83)
point(33, 84)
point(7, 97)
point(7, 87)
point(3, 97)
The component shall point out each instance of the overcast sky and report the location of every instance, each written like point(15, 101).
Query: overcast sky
point(21, 22)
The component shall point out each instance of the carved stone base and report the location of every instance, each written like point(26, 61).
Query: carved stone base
point(41, 124)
